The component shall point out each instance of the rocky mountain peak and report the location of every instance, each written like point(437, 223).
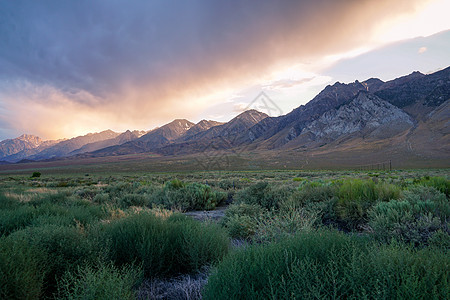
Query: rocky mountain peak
point(29, 138)
point(251, 115)
point(365, 114)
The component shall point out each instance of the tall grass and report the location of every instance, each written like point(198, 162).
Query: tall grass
point(64, 248)
point(22, 273)
point(330, 265)
point(264, 194)
point(164, 247)
point(356, 197)
point(100, 281)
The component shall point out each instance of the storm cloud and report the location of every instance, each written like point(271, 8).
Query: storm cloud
point(70, 66)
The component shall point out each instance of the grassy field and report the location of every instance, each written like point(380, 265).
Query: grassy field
point(91, 233)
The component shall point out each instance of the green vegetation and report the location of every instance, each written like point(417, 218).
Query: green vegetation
point(329, 265)
point(172, 246)
point(100, 282)
point(283, 234)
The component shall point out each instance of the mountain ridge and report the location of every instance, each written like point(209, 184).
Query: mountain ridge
point(403, 112)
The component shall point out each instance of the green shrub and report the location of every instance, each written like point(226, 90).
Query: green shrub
point(330, 265)
point(7, 202)
point(21, 270)
point(128, 200)
point(240, 220)
point(192, 196)
point(440, 183)
point(164, 246)
point(15, 219)
point(423, 212)
point(36, 174)
point(277, 225)
point(101, 198)
point(356, 197)
point(423, 194)
point(313, 192)
point(56, 209)
point(64, 247)
point(264, 194)
point(104, 281)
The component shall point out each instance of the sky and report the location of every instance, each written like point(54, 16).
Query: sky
point(72, 67)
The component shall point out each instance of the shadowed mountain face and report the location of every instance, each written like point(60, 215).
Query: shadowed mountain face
point(409, 114)
point(365, 116)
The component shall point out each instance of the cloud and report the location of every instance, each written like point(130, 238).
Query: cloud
point(422, 50)
point(141, 63)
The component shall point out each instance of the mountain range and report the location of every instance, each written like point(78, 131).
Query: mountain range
point(409, 114)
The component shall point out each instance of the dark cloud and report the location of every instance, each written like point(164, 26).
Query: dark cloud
point(148, 54)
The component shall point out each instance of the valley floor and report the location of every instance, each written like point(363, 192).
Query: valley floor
point(99, 234)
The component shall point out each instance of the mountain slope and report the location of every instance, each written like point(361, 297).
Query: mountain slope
point(410, 114)
point(124, 137)
point(23, 142)
point(63, 148)
point(288, 127)
point(366, 116)
point(201, 126)
point(223, 136)
point(432, 89)
point(13, 150)
point(155, 139)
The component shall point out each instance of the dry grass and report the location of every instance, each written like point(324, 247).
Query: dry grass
point(30, 194)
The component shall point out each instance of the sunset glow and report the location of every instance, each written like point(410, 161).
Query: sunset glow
point(71, 68)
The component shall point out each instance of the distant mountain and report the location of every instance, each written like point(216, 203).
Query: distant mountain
point(122, 138)
point(155, 139)
point(64, 148)
point(431, 90)
point(223, 136)
point(201, 126)
point(366, 116)
point(409, 115)
point(23, 145)
point(288, 127)
point(23, 142)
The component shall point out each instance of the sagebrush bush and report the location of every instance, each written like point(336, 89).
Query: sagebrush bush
point(240, 220)
point(423, 212)
point(313, 192)
point(328, 264)
point(264, 194)
point(191, 196)
point(7, 202)
point(164, 246)
point(58, 210)
point(100, 281)
point(279, 225)
point(22, 270)
point(441, 184)
point(65, 248)
point(356, 197)
point(15, 218)
point(101, 198)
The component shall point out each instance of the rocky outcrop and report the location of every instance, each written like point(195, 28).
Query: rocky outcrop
point(366, 115)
